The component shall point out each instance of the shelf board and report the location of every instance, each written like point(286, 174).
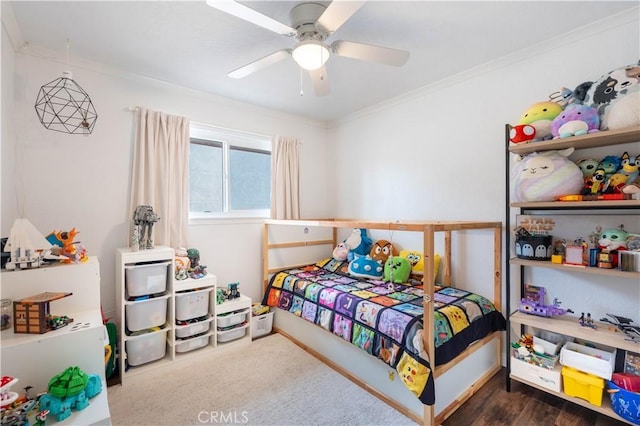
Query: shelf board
point(569, 326)
point(568, 205)
point(208, 280)
point(593, 140)
point(604, 409)
point(586, 269)
point(241, 302)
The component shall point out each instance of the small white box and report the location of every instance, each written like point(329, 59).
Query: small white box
point(551, 342)
point(231, 318)
point(144, 279)
point(146, 348)
point(233, 334)
point(261, 325)
point(192, 344)
point(192, 329)
point(192, 304)
point(598, 362)
point(549, 379)
point(146, 314)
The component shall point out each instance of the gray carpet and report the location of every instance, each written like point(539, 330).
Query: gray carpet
point(270, 382)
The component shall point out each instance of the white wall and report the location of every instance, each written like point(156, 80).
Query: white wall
point(60, 181)
point(439, 153)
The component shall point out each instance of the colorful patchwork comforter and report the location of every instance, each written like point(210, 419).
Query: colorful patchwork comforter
point(385, 320)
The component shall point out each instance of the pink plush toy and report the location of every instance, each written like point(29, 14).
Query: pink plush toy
point(575, 120)
point(341, 252)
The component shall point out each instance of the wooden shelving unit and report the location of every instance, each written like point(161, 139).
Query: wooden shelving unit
point(604, 334)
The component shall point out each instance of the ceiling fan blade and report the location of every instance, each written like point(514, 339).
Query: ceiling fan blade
point(320, 81)
point(368, 52)
point(337, 14)
point(260, 64)
point(243, 12)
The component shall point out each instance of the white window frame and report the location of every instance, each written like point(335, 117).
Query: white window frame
point(229, 137)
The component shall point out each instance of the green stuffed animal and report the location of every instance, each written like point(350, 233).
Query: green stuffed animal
point(397, 270)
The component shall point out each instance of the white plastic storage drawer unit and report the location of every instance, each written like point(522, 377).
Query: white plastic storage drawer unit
point(146, 313)
point(146, 348)
point(192, 304)
point(146, 278)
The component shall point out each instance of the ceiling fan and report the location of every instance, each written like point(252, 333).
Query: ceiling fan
point(311, 24)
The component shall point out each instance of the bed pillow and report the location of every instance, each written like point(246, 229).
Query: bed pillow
point(416, 259)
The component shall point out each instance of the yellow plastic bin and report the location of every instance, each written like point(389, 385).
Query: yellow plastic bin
point(583, 385)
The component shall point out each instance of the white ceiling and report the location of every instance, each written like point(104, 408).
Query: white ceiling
point(193, 45)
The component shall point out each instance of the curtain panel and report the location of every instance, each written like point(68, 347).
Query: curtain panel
point(285, 177)
point(160, 174)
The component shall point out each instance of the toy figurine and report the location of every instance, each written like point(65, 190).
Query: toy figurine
point(536, 306)
point(233, 292)
point(586, 322)
point(144, 218)
point(196, 270)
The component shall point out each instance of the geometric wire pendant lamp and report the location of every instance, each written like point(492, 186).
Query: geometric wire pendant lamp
point(62, 105)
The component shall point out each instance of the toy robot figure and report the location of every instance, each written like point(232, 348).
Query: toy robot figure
point(143, 219)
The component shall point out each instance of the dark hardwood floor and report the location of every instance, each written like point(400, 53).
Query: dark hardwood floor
point(493, 405)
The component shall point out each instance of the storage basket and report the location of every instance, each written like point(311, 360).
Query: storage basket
point(192, 304)
point(261, 324)
point(583, 385)
point(146, 348)
point(534, 247)
point(146, 314)
point(192, 329)
point(224, 321)
point(625, 403)
point(144, 279)
point(233, 334)
point(192, 344)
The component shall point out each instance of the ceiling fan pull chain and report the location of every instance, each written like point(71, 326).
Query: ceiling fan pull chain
point(301, 90)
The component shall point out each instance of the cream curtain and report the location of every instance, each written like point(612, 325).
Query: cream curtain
point(160, 174)
point(285, 176)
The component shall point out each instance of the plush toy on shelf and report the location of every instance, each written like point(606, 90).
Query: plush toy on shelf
point(522, 133)
point(545, 176)
point(540, 115)
point(575, 120)
point(616, 96)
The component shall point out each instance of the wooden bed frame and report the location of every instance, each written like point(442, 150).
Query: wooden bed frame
point(429, 231)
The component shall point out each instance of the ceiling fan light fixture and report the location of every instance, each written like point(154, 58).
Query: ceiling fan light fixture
point(310, 54)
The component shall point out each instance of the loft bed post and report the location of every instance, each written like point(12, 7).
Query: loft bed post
point(446, 270)
point(428, 337)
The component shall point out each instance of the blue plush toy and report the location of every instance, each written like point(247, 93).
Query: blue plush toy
point(358, 242)
point(365, 267)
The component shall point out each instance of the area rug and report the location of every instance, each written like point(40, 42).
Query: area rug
point(270, 382)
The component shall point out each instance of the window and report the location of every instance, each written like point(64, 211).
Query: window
point(229, 173)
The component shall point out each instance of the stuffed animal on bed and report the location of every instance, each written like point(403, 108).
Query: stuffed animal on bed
point(381, 250)
point(540, 115)
point(417, 262)
point(616, 96)
point(545, 176)
point(341, 252)
point(365, 267)
point(358, 242)
point(397, 270)
point(575, 120)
